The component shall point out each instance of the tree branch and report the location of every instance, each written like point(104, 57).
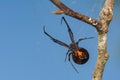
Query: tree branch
point(101, 25)
point(106, 16)
point(66, 10)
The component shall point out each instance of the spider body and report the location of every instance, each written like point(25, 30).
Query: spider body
point(79, 55)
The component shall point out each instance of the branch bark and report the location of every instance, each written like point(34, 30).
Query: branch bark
point(66, 10)
point(101, 26)
point(106, 16)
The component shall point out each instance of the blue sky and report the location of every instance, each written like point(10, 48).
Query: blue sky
point(26, 53)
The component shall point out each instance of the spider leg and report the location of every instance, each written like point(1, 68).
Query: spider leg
point(69, 30)
point(55, 40)
point(67, 54)
point(71, 62)
point(83, 39)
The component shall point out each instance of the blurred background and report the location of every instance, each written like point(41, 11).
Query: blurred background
point(26, 53)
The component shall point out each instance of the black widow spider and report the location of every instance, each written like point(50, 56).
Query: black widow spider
point(79, 55)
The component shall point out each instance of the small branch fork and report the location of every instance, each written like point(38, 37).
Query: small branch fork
point(101, 26)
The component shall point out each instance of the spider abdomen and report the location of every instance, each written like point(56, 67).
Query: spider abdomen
point(80, 57)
